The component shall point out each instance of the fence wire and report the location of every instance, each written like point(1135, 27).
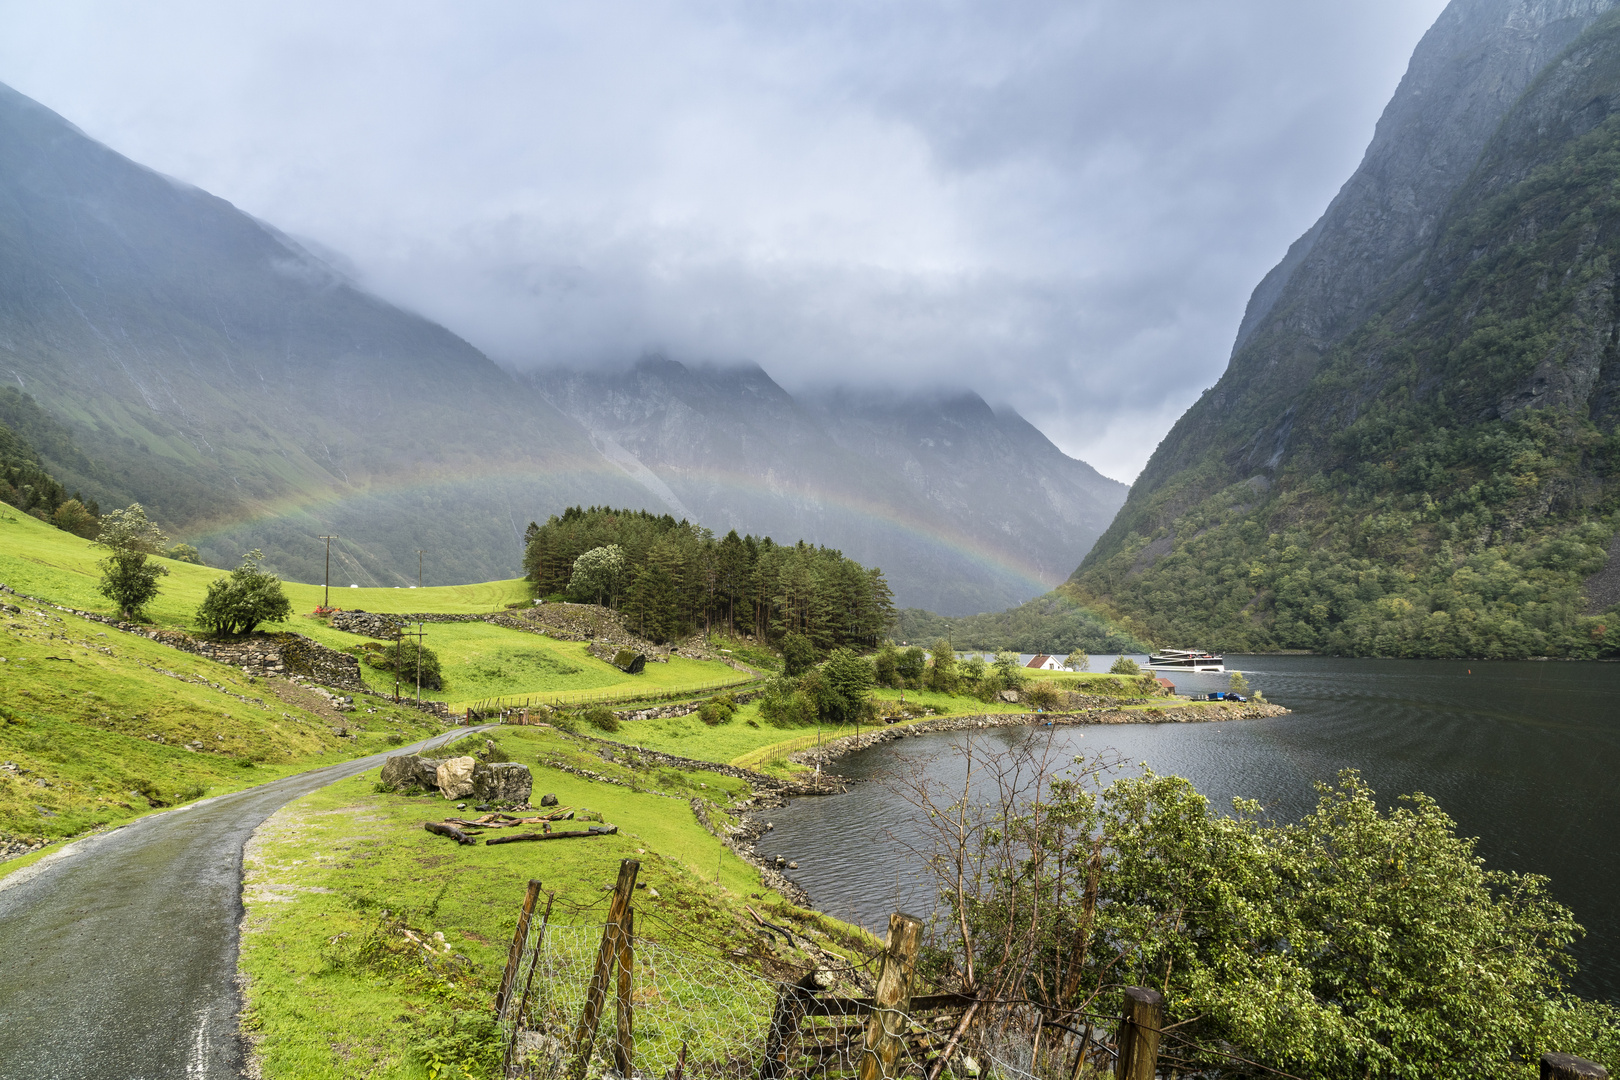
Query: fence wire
point(707, 1019)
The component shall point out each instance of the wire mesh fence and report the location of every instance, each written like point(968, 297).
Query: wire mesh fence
point(706, 1019)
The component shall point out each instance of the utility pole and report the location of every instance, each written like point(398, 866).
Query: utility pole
point(419, 554)
point(327, 603)
point(418, 634)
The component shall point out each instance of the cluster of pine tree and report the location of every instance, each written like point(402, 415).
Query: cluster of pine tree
point(669, 578)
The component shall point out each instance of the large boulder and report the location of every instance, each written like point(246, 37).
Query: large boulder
point(455, 777)
point(407, 771)
point(502, 782)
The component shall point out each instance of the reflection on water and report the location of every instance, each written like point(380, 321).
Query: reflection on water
point(1525, 755)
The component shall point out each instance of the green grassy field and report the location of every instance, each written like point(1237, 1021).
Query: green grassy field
point(479, 660)
point(38, 559)
point(336, 990)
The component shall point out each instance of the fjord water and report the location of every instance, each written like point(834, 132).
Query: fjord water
point(1524, 755)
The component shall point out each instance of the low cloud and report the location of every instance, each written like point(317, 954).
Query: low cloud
point(1062, 206)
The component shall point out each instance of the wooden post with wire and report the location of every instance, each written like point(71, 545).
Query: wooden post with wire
point(327, 602)
point(1139, 1034)
point(518, 1017)
point(400, 635)
point(624, 1039)
point(892, 998)
point(514, 956)
point(608, 959)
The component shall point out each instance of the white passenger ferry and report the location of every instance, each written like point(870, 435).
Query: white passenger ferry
point(1186, 660)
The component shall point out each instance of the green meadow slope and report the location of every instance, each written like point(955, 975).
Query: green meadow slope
point(480, 661)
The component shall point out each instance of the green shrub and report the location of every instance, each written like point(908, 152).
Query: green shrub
point(241, 601)
point(1125, 666)
point(383, 658)
point(786, 704)
point(1043, 695)
point(601, 718)
point(717, 711)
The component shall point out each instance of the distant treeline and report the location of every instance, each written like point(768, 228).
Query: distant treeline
point(668, 578)
point(25, 484)
point(1047, 624)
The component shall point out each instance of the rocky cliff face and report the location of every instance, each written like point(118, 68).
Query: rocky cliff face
point(965, 508)
point(1424, 383)
point(1370, 243)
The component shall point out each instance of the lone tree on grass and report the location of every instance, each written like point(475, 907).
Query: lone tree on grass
point(128, 578)
point(248, 597)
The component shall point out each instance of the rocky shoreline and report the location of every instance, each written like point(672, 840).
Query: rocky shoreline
point(740, 831)
point(1191, 712)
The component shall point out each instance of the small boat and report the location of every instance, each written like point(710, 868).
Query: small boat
point(1186, 660)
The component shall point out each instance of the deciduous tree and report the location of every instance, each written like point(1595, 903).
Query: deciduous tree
point(248, 596)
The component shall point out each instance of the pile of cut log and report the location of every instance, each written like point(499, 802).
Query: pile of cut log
point(464, 831)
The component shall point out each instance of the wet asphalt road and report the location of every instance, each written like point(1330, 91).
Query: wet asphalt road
point(118, 953)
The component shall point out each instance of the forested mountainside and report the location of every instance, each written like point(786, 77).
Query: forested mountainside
point(191, 358)
point(669, 578)
point(24, 481)
point(1047, 624)
point(198, 361)
point(965, 507)
point(1414, 448)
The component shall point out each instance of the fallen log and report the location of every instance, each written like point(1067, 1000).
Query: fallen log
point(561, 834)
point(441, 829)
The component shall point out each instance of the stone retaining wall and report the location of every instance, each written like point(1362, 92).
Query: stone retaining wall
point(685, 708)
point(634, 755)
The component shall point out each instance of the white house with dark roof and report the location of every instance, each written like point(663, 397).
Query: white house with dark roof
point(1045, 663)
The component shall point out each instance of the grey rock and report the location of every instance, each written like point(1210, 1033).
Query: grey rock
point(455, 777)
point(502, 782)
point(408, 771)
point(548, 800)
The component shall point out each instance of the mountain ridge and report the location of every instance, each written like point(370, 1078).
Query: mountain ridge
point(1367, 461)
point(251, 394)
point(860, 470)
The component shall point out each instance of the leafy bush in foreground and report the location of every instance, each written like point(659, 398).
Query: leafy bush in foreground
point(1357, 942)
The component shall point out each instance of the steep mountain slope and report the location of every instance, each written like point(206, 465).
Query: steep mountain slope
point(965, 509)
point(249, 395)
point(1414, 448)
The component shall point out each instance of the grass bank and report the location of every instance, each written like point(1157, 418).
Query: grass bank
point(98, 727)
point(336, 989)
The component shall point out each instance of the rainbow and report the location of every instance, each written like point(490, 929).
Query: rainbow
point(315, 511)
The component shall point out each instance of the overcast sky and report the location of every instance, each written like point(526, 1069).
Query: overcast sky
point(1063, 205)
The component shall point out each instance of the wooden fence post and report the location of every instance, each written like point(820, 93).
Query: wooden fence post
point(514, 956)
point(528, 985)
point(791, 1004)
point(1570, 1067)
point(1139, 1034)
point(892, 999)
point(624, 1046)
point(606, 960)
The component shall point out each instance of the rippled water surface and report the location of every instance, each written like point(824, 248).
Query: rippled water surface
point(1524, 755)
